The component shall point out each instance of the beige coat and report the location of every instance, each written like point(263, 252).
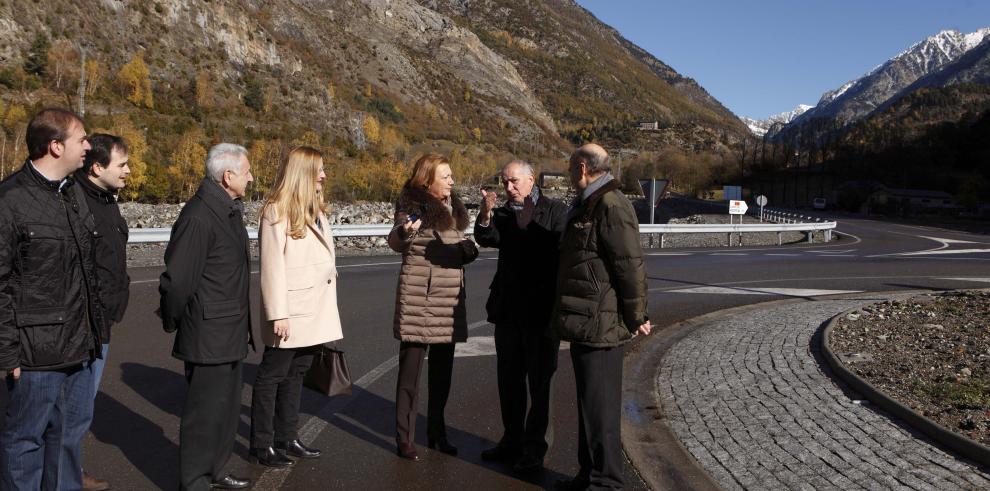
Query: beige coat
point(430, 294)
point(299, 283)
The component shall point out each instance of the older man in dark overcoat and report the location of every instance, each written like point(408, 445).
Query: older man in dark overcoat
point(204, 300)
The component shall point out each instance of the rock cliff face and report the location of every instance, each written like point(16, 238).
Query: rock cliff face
point(522, 72)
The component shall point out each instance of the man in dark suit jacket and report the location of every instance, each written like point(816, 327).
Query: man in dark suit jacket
point(204, 299)
point(526, 231)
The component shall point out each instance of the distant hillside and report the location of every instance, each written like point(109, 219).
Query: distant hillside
point(371, 81)
point(586, 74)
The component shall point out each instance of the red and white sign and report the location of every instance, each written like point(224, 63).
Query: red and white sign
point(737, 207)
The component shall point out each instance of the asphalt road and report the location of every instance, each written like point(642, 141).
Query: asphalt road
point(134, 440)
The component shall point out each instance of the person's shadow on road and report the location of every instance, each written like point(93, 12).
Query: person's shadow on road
point(371, 418)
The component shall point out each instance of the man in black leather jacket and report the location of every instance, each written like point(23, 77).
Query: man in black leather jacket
point(103, 175)
point(50, 311)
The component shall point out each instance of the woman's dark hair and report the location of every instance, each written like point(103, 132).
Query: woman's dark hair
point(101, 146)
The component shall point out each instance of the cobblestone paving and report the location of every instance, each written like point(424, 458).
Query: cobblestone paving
point(747, 397)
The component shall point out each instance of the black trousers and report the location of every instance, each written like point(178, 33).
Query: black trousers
point(407, 389)
point(209, 422)
point(527, 358)
point(275, 399)
point(598, 373)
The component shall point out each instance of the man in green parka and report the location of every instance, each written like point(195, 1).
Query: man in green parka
point(600, 305)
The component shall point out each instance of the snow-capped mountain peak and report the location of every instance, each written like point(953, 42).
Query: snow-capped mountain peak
point(759, 127)
point(859, 97)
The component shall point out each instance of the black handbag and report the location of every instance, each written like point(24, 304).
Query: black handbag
point(328, 374)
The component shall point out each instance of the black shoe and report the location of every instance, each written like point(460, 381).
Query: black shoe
point(575, 484)
point(407, 451)
point(528, 463)
point(230, 482)
point(442, 445)
point(501, 453)
point(269, 457)
point(295, 448)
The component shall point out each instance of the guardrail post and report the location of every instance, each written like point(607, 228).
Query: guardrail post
point(780, 241)
point(661, 241)
point(811, 236)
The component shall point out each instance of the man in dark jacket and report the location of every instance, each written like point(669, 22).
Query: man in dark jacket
point(601, 304)
point(526, 231)
point(50, 311)
point(103, 175)
point(204, 299)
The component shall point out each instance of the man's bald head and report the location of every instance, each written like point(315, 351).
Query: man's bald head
point(594, 157)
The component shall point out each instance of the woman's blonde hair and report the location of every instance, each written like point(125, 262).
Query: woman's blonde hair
point(294, 196)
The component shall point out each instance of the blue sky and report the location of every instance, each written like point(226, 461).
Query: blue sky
point(761, 57)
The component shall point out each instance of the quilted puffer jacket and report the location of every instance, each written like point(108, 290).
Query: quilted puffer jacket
point(430, 295)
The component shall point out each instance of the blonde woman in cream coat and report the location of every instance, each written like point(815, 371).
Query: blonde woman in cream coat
point(299, 304)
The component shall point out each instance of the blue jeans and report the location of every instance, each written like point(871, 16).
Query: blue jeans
point(37, 449)
point(98, 372)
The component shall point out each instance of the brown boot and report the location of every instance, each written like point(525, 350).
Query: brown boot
point(90, 483)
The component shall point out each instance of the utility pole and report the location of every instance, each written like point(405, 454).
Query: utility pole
point(82, 82)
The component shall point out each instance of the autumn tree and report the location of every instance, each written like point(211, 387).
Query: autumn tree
point(134, 79)
point(63, 62)
point(205, 95)
point(310, 139)
point(94, 76)
point(186, 163)
point(372, 130)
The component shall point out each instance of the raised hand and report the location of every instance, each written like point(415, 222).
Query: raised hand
point(487, 205)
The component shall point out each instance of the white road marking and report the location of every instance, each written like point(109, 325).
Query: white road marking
point(834, 252)
point(949, 241)
point(790, 255)
point(792, 292)
point(484, 346)
point(728, 254)
point(669, 254)
point(979, 280)
point(943, 251)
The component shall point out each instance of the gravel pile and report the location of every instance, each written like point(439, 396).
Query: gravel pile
point(931, 353)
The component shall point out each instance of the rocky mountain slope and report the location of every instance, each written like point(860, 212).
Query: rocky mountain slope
point(584, 71)
point(864, 95)
point(511, 74)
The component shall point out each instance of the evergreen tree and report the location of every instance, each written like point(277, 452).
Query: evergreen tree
point(36, 62)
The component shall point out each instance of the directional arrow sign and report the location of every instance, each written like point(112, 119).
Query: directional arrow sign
point(737, 207)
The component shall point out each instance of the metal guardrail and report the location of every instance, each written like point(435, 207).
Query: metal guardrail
point(789, 224)
point(152, 235)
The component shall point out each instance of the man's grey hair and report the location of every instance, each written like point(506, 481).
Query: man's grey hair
point(224, 157)
point(526, 167)
point(595, 161)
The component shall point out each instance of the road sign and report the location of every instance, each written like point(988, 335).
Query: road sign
point(737, 207)
point(732, 193)
point(761, 200)
point(654, 190)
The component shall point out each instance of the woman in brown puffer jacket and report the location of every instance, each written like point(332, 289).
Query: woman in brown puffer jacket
point(429, 310)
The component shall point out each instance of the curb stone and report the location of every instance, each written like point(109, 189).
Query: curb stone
point(652, 448)
point(962, 445)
